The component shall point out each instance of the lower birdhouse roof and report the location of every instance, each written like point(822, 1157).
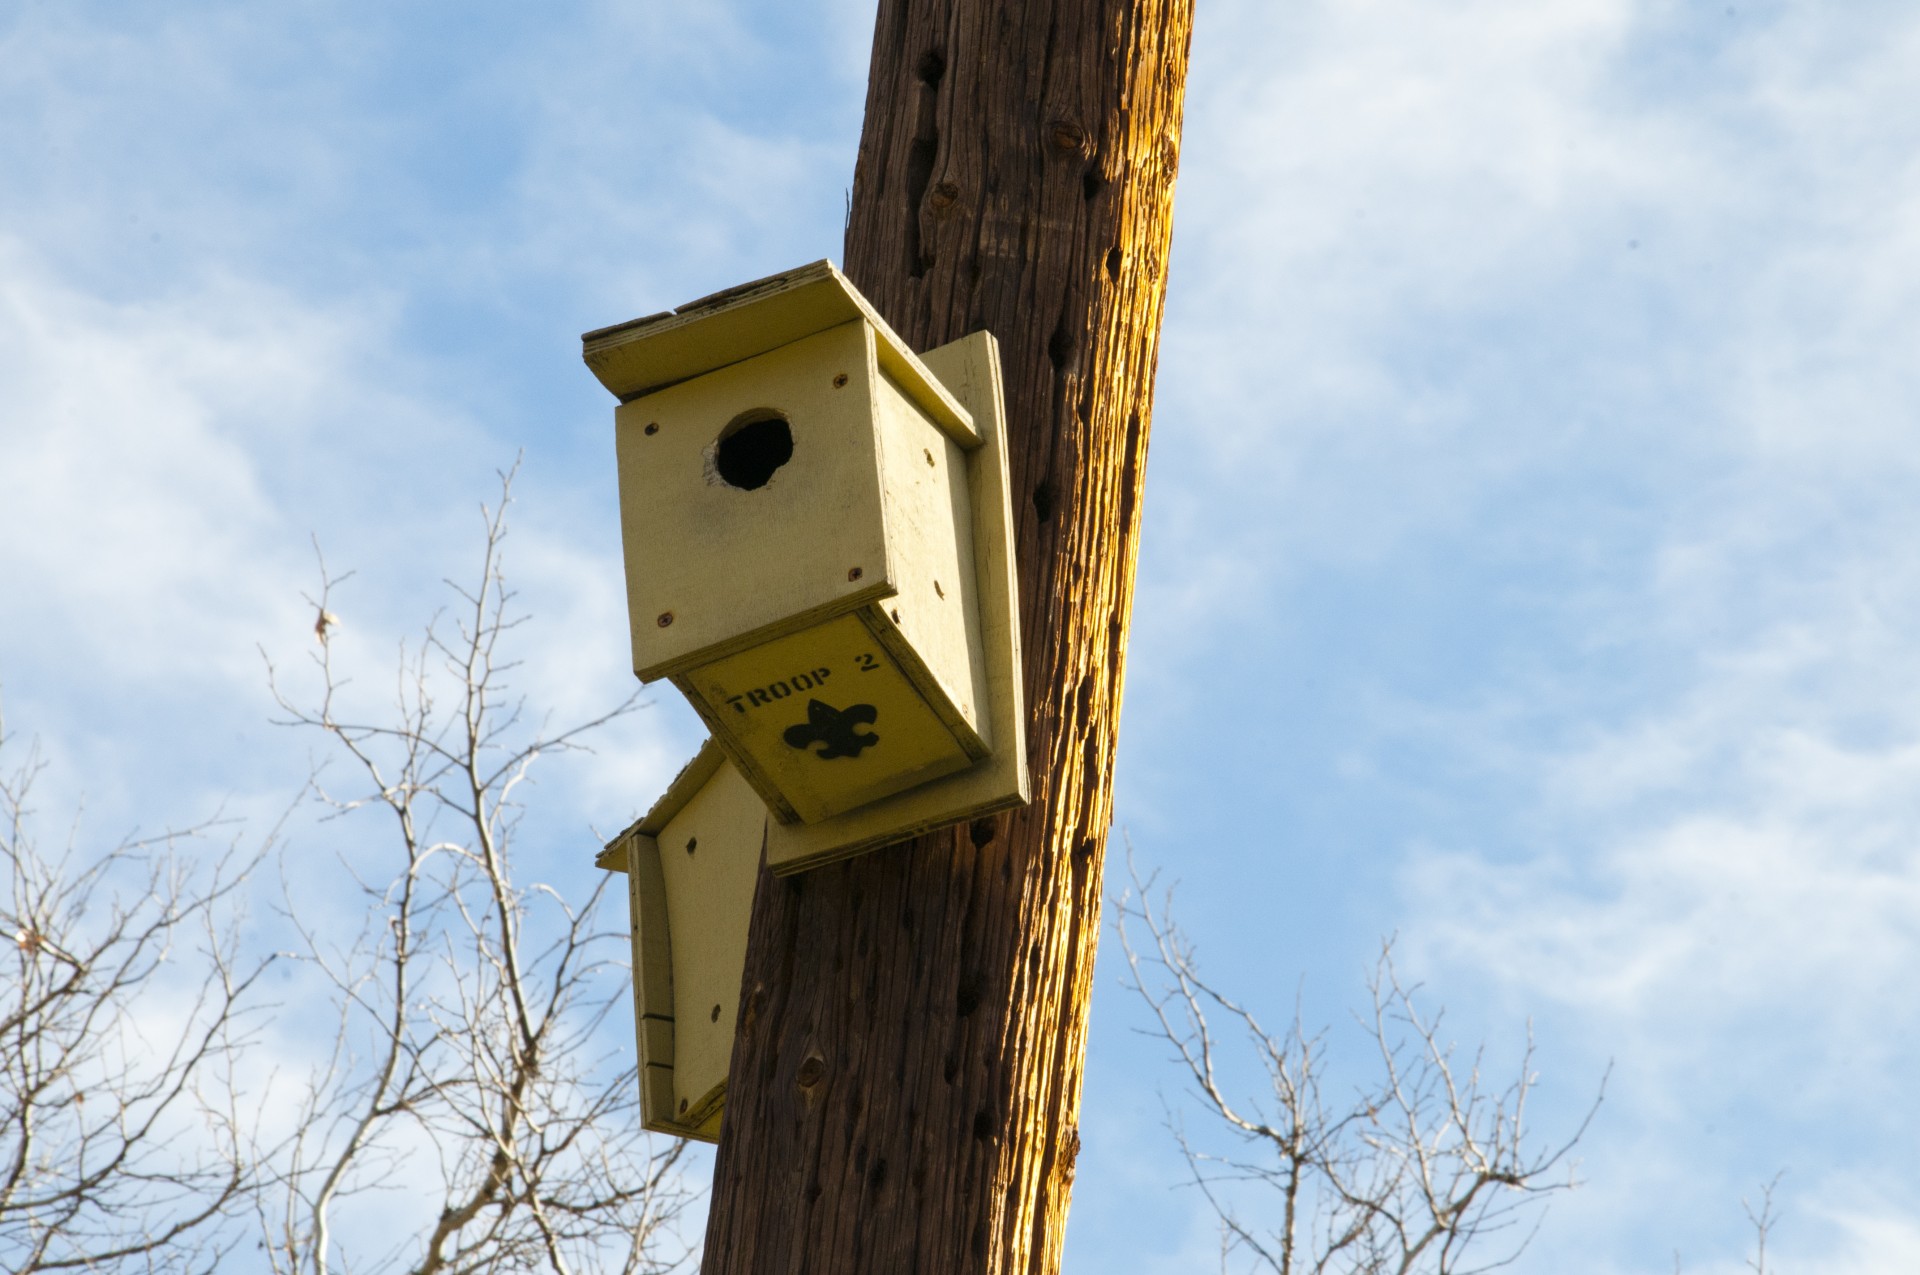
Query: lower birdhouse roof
point(648, 354)
point(692, 778)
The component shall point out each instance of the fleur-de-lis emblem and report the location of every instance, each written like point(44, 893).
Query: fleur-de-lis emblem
point(834, 728)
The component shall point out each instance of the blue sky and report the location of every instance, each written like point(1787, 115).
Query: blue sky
point(1529, 561)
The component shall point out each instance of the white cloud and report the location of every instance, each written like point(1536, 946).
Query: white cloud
point(140, 540)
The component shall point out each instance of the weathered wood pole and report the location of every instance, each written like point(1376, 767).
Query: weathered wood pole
point(905, 1084)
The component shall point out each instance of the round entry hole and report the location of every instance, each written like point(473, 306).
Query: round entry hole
point(752, 448)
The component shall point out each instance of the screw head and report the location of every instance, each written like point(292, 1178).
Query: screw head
point(854, 573)
point(840, 381)
point(666, 618)
point(715, 1016)
point(653, 427)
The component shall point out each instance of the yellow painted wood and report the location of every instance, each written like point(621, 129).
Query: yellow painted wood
point(738, 586)
point(691, 864)
point(969, 367)
point(710, 859)
point(879, 545)
point(644, 355)
point(713, 568)
point(637, 854)
point(828, 717)
point(929, 519)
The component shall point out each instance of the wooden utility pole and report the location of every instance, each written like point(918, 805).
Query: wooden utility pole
point(905, 1085)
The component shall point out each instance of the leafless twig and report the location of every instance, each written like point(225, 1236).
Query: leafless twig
point(1427, 1168)
point(468, 1060)
point(125, 1011)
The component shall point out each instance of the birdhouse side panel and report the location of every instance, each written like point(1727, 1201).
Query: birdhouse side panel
point(709, 861)
point(750, 500)
point(926, 495)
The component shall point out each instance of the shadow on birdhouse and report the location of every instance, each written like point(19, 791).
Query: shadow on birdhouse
point(819, 554)
point(691, 865)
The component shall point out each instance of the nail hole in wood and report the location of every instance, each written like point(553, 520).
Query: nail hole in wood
point(1060, 346)
point(1043, 501)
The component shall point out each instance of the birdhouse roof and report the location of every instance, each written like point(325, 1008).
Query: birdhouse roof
point(692, 778)
point(644, 355)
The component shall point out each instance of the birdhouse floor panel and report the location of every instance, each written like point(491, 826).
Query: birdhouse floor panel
point(827, 720)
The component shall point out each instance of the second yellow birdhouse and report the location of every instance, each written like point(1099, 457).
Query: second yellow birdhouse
point(691, 865)
point(796, 512)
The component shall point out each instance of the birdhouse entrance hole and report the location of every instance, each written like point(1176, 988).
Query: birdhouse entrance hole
point(752, 448)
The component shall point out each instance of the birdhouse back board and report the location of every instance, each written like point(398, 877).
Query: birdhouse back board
point(750, 500)
point(829, 718)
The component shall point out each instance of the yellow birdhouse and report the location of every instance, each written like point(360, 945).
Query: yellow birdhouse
point(691, 865)
point(818, 546)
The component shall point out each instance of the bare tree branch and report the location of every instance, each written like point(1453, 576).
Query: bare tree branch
point(459, 1106)
point(1426, 1170)
point(459, 1028)
point(95, 1087)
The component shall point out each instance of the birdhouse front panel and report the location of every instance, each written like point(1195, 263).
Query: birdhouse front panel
point(750, 500)
point(830, 717)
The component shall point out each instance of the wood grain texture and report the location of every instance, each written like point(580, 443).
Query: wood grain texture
point(905, 1084)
